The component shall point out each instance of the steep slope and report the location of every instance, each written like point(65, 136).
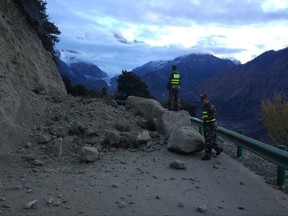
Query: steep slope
point(195, 69)
point(239, 91)
point(24, 66)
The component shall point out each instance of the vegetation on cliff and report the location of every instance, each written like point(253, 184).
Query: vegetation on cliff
point(37, 17)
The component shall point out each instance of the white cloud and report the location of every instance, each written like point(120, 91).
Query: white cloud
point(274, 5)
point(238, 29)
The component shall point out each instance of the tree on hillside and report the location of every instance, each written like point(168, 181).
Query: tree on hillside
point(35, 13)
point(275, 118)
point(130, 84)
point(190, 108)
point(80, 90)
point(68, 85)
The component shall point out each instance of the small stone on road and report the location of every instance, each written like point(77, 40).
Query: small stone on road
point(31, 205)
point(202, 208)
point(177, 164)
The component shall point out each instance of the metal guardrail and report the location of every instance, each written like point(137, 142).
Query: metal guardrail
point(121, 102)
point(275, 155)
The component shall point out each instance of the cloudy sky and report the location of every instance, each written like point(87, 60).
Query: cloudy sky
point(123, 34)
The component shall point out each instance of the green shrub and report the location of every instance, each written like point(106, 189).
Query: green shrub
point(275, 118)
point(130, 84)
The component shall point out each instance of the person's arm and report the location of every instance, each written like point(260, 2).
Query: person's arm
point(213, 112)
point(169, 81)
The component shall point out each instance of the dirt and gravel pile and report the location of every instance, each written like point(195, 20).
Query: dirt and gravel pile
point(61, 126)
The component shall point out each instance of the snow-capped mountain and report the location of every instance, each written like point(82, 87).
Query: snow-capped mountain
point(72, 56)
point(79, 71)
point(195, 69)
point(149, 67)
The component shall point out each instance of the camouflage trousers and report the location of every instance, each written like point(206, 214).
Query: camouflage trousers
point(174, 98)
point(210, 135)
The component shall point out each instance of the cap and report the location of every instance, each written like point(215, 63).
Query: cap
point(204, 96)
point(174, 67)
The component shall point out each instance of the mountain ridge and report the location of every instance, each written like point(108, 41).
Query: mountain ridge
point(80, 72)
point(195, 69)
point(238, 92)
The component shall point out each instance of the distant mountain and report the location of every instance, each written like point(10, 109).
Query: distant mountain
point(195, 69)
point(238, 92)
point(87, 71)
point(83, 73)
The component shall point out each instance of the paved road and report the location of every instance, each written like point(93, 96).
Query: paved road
point(139, 177)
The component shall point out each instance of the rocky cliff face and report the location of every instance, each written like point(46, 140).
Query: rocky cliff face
point(24, 66)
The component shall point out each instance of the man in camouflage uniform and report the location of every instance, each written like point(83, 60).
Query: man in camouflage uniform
point(210, 127)
point(174, 89)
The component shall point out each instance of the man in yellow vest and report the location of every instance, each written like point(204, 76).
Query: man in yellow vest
point(210, 127)
point(174, 89)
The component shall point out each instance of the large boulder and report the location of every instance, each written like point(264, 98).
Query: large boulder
point(169, 121)
point(126, 139)
point(185, 140)
point(142, 137)
point(177, 164)
point(58, 147)
point(88, 154)
point(145, 107)
point(123, 126)
point(112, 139)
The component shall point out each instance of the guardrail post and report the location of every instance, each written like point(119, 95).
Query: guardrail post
point(201, 130)
point(239, 148)
point(281, 170)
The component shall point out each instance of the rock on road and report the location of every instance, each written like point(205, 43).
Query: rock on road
point(145, 185)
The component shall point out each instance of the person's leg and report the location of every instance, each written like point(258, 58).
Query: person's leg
point(208, 135)
point(176, 100)
point(214, 142)
point(170, 102)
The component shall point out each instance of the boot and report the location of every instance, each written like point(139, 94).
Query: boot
point(206, 158)
point(219, 151)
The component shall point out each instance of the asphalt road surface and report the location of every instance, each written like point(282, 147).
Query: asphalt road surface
point(136, 183)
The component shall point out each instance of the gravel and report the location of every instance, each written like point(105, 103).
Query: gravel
point(257, 164)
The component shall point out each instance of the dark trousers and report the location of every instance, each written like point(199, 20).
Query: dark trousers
point(174, 98)
point(210, 135)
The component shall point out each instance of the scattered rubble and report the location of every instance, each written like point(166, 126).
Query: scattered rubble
point(38, 163)
point(115, 186)
point(7, 206)
point(202, 208)
point(58, 147)
point(89, 154)
point(50, 202)
point(57, 203)
point(177, 164)
point(123, 126)
point(181, 205)
point(122, 205)
point(31, 205)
